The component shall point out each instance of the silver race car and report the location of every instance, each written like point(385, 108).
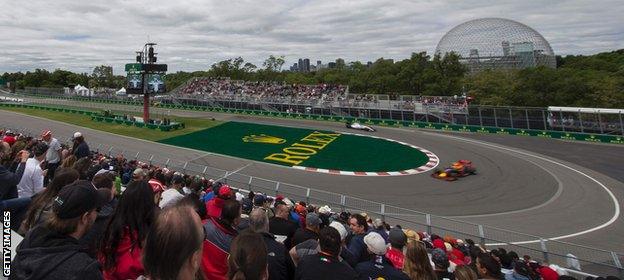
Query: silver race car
point(359, 126)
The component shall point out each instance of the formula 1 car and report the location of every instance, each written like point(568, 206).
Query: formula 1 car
point(458, 169)
point(359, 126)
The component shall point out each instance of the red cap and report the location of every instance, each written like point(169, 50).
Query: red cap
point(225, 191)
point(46, 133)
point(156, 185)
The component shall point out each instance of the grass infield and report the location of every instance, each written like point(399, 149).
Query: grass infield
point(303, 147)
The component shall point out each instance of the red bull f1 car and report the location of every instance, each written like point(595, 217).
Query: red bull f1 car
point(458, 169)
point(359, 126)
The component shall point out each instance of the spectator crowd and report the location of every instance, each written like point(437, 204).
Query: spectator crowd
point(86, 215)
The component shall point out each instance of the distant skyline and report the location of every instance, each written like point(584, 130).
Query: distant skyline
point(192, 35)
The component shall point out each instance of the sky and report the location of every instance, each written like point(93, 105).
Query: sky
point(192, 35)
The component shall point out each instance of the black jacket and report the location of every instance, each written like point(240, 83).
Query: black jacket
point(321, 266)
point(281, 265)
point(44, 254)
point(9, 181)
point(379, 267)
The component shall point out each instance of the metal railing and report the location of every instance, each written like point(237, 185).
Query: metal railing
point(592, 260)
point(402, 109)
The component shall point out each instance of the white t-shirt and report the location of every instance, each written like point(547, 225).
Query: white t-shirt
point(32, 180)
point(52, 156)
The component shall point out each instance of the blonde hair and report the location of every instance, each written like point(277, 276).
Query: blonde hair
point(464, 272)
point(416, 264)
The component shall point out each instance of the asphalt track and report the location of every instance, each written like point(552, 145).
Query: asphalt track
point(550, 188)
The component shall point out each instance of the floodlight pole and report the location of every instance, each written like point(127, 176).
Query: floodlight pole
point(146, 60)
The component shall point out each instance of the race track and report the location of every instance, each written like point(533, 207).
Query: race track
point(524, 184)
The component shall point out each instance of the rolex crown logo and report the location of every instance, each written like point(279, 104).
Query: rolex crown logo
point(263, 138)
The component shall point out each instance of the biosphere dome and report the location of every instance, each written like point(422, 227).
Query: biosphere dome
point(488, 43)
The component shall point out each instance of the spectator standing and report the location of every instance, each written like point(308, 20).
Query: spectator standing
point(172, 195)
point(9, 180)
point(280, 264)
point(379, 266)
point(40, 209)
point(53, 155)
point(80, 148)
point(395, 254)
point(173, 248)
point(52, 251)
point(122, 242)
point(416, 264)
point(359, 229)
point(281, 226)
point(310, 231)
point(32, 180)
point(326, 263)
point(219, 233)
point(248, 258)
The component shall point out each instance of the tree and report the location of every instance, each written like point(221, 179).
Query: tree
point(102, 77)
point(273, 63)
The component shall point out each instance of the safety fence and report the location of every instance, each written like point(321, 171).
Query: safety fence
point(592, 260)
point(327, 115)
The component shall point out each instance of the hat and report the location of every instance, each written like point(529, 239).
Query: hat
point(439, 258)
point(300, 209)
point(46, 133)
point(77, 134)
point(259, 199)
point(177, 179)
point(312, 219)
point(325, 210)
point(239, 197)
point(170, 198)
point(438, 243)
point(225, 192)
point(375, 243)
point(340, 228)
point(448, 246)
point(279, 197)
point(156, 185)
point(377, 223)
point(247, 205)
point(139, 172)
point(397, 236)
point(78, 198)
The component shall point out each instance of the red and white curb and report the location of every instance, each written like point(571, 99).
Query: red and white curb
point(431, 164)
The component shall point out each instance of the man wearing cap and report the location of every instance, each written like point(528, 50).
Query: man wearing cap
point(80, 148)
point(281, 226)
point(441, 264)
point(379, 266)
point(32, 180)
point(53, 155)
point(310, 231)
point(52, 250)
point(397, 239)
point(261, 201)
point(326, 263)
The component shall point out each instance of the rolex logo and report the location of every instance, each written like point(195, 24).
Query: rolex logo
point(262, 138)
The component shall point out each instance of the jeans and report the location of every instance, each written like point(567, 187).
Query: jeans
point(18, 208)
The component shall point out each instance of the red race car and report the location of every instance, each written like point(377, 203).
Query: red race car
point(458, 169)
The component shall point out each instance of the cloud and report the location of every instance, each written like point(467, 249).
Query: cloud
point(191, 35)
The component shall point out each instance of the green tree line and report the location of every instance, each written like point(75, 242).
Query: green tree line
point(584, 81)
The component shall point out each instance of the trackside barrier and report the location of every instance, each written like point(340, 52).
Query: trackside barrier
point(592, 260)
point(577, 136)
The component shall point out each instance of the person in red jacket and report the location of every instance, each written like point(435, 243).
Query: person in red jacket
point(214, 206)
point(219, 233)
point(122, 242)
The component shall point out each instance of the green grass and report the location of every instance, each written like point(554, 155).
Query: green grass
point(192, 124)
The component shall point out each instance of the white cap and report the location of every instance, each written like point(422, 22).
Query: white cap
point(375, 243)
point(325, 210)
point(340, 228)
point(77, 134)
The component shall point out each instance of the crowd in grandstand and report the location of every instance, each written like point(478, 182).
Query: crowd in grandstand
point(87, 215)
point(227, 88)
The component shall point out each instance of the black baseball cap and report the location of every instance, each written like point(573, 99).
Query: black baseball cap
point(78, 198)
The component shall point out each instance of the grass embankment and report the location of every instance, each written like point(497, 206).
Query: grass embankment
point(191, 124)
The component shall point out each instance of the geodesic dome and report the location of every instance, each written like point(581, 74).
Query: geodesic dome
point(497, 43)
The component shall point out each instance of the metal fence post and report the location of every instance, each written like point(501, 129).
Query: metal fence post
point(151, 159)
point(249, 183)
point(204, 172)
point(618, 264)
point(136, 156)
point(277, 188)
point(480, 117)
point(428, 219)
point(227, 173)
point(495, 118)
point(184, 167)
point(308, 196)
point(544, 249)
point(511, 118)
point(383, 212)
point(167, 163)
point(109, 151)
point(482, 234)
point(342, 203)
point(526, 116)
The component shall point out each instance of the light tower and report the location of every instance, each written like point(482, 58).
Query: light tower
point(145, 76)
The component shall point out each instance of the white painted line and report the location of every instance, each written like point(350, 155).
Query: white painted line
point(616, 203)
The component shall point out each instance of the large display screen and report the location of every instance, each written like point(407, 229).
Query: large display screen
point(135, 81)
point(155, 83)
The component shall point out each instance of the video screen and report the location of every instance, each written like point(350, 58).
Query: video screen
point(135, 81)
point(155, 83)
